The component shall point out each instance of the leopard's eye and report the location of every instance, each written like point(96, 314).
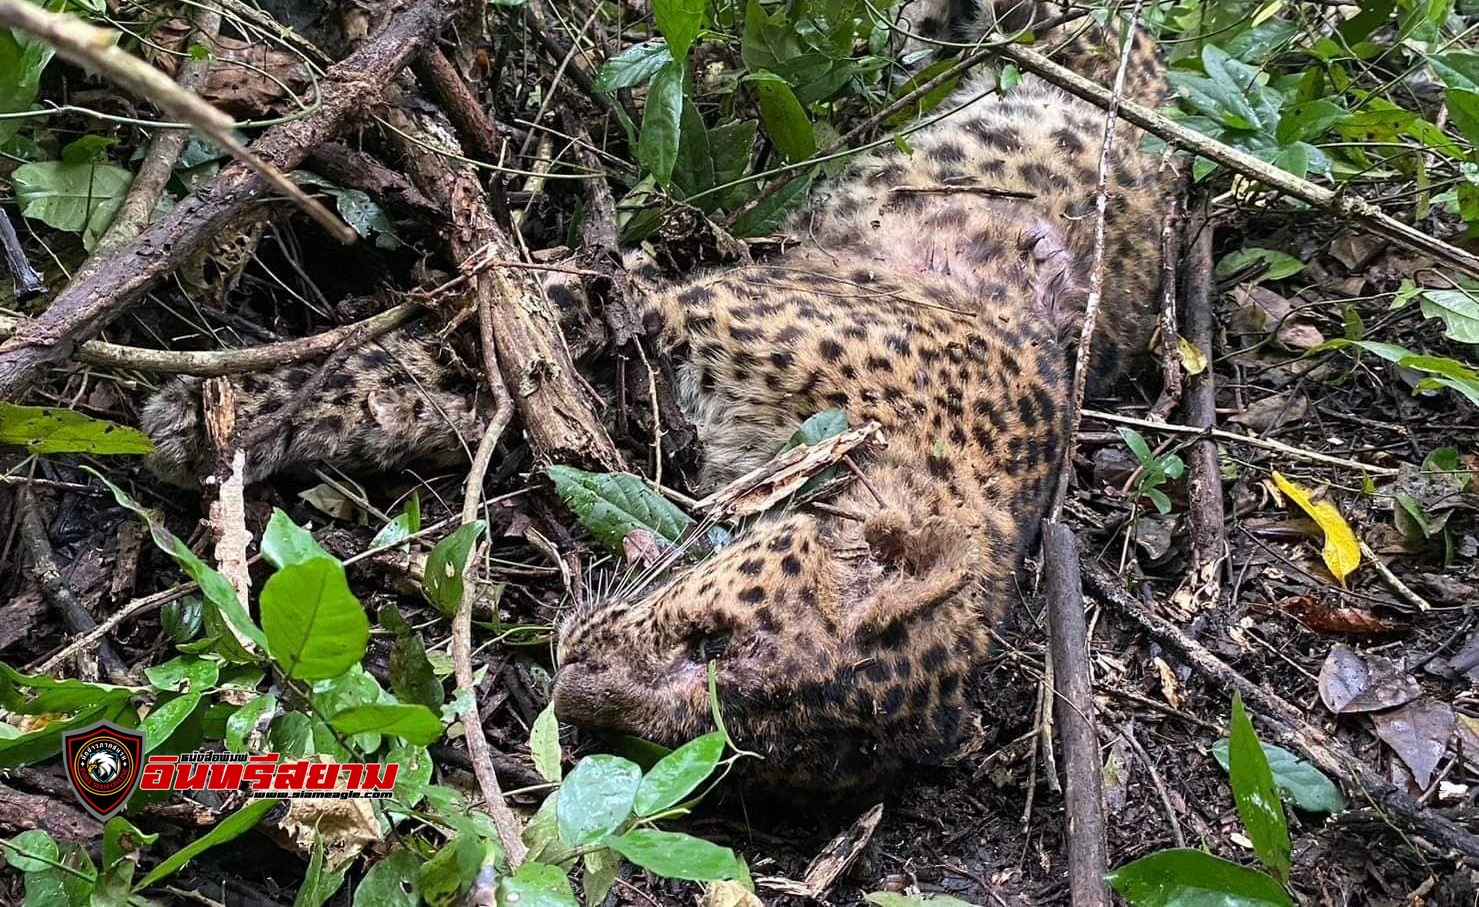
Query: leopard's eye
point(710, 647)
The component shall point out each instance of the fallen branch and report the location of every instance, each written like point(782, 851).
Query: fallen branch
point(556, 410)
point(97, 49)
point(27, 282)
point(1083, 795)
point(1363, 213)
point(89, 303)
point(1297, 453)
point(158, 166)
point(233, 362)
point(1204, 466)
point(1289, 728)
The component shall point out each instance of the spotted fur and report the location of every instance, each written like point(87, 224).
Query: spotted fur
point(844, 646)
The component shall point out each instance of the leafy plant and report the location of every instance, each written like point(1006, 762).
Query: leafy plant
point(1189, 876)
point(1155, 471)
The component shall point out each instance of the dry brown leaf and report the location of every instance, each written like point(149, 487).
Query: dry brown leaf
point(1418, 733)
point(1170, 686)
point(641, 546)
point(1325, 618)
point(1269, 413)
point(1350, 683)
point(729, 893)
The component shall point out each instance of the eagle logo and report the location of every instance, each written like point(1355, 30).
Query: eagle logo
point(103, 766)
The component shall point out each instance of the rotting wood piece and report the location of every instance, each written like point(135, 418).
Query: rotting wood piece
point(88, 304)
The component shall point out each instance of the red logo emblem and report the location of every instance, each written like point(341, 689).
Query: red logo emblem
point(103, 765)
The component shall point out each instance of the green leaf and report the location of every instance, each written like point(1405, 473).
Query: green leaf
point(1182, 877)
point(634, 66)
point(58, 695)
point(285, 542)
point(785, 120)
point(596, 798)
point(544, 744)
point(32, 851)
point(46, 742)
point(447, 563)
point(677, 856)
point(451, 871)
point(601, 869)
point(228, 829)
point(693, 171)
point(829, 423)
point(1299, 782)
point(244, 720)
point(612, 504)
point(1256, 795)
point(1280, 264)
point(657, 143)
point(318, 885)
point(314, 625)
point(1463, 109)
point(388, 883)
point(46, 430)
point(678, 773)
point(1458, 309)
point(412, 678)
point(166, 717)
point(679, 21)
point(415, 724)
point(1443, 461)
point(767, 216)
point(79, 198)
point(1457, 70)
point(188, 672)
point(217, 591)
point(121, 840)
point(21, 63)
point(1138, 446)
point(401, 527)
point(536, 885)
point(1309, 120)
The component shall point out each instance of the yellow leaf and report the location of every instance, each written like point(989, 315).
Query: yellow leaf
point(1342, 553)
point(1191, 356)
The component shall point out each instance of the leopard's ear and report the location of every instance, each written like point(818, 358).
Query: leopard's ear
point(926, 561)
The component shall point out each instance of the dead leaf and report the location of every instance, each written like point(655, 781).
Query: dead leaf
point(332, 502)
point(1193, 360)
point(729, 893)
point(1271, 412)
point(1298, 335)
point(1354, 249)
point(1350, 683)
point(1170, 686)
point(640, 546)
point(1342, 553)
point(1418, 733)
point(345, 827)
point(1468, 739)
point(1153, 533)
point(1325, 618)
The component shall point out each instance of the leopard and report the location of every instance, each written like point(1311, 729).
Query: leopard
point(934, 290)
point(939, 294)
